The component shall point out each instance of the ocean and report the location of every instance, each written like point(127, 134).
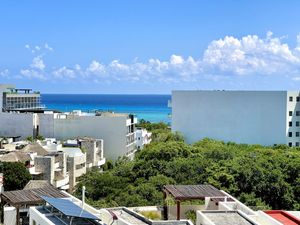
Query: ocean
point(153, 108)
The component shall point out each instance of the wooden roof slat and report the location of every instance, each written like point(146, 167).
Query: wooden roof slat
point(31, 196)
point(186, 192)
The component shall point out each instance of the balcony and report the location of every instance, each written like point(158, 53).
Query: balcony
point(101, 162)
point(62, 181)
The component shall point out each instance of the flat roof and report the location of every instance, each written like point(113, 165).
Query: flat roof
point(227, 218)
point(187, 192)
point(283, 217)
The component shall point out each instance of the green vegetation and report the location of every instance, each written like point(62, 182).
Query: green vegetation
point(264, 177)
point(16, 176)
point(32, 139)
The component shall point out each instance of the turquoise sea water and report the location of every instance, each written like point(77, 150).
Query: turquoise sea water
point(153, 108)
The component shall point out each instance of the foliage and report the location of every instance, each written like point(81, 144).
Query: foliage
point(29, 138)
point(40, 137)
point(263, 177)
point(152, 215)
point(191, 215)
point(15, 175)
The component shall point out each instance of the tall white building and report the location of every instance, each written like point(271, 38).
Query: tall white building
point(252, 117)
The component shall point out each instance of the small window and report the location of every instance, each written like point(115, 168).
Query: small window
point(297, 113)
point(297, 134)
point(291, 98)
point(298, 99)
point(290, 124)
point(297, 144)
point(297, 123)
point(290, 113)
point(290, 134)
point(290, 144)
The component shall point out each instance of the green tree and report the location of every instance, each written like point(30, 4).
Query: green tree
point(15, 175)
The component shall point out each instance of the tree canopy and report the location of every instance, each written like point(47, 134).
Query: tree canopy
point(16, 176)
point(264, 177)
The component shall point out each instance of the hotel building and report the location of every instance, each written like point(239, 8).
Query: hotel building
point(251, 117)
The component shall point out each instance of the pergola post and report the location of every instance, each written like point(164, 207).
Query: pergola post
point(178, 209)
point(165, 207)
point(18, 215)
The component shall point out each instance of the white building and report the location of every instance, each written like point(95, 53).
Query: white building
point(24, 118)
point(252, 117)
point(117, 130)
point(143, 137)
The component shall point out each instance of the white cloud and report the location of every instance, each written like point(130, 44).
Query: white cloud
point(38, 63)
point(223, 60)
point(4, 73)
point(250, 54)
point(32, 74)
point(64, 72)
point(46, 46)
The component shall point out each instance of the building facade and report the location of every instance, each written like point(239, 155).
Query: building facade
point(251, 117)
point(117, 130)
point(22, 115)
point(143, 137)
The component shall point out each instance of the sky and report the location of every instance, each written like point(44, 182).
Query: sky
point(150, 47)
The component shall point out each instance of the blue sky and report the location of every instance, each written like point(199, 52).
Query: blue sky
point(156, 46)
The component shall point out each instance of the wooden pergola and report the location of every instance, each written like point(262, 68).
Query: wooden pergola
point(30, 197)
point(188, 192)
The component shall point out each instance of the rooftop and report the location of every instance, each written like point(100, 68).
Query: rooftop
point(227, 218)
point(283, 217)
point(188, 192)
point(31, 196)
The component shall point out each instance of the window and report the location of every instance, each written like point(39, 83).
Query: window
point(297, 99)
point(290, 134)
point(290, 124)
point(297, 144)
point(297, 123)
point(297, 134)
point(33, 222)
point(291, 98)
point(290, 113)
point(290, 144)
point(297, 113)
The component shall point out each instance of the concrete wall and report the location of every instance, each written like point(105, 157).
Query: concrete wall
point(45, 165)
point(38, 217)
point(16, 124)
point(10, 214)
point(46, 125)
point(111, 129)
point(253, 117)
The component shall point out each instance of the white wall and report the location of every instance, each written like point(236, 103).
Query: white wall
point(253, 117)
point(46, 124)
point(292, 106)
point(111, 129)
point(10, 214)
point(38, 217)
point(16, 124)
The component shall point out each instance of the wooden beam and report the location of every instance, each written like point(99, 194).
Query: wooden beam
point(18, 215)
point(178, 209)
point(165, 209)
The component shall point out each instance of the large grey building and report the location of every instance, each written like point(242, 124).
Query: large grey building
point(252, 117)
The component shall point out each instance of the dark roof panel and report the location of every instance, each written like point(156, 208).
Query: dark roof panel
point(186, 192)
